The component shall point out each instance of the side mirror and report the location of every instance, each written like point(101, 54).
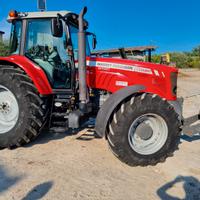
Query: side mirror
point(56, 27)
point(94, 42)
point(94, 39)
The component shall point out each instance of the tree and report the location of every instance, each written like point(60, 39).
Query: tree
point(196, 51)
point(4, 49)
point(183, 59)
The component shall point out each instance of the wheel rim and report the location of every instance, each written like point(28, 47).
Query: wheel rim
point(9, 110)
point(148, 134)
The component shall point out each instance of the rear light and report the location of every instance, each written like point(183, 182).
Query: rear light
point(174, 77)
point(13, 14)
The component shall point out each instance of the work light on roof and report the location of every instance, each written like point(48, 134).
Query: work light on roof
point(13, 13)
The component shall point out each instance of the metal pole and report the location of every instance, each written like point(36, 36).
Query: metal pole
point(149, 55)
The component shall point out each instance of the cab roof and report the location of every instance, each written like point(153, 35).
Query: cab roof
point(35, 15)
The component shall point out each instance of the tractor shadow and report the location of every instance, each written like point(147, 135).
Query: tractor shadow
point(190, 184)
point(88, 136)
point(191, 132)
point(46, 136)
point(191, 129)
point(39, 191)
point(7, 181)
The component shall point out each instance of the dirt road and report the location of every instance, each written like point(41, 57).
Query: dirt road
point(58, 166)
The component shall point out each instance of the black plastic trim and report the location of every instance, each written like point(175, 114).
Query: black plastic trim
point(110, 105)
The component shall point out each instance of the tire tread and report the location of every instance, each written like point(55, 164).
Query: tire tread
point(142, 102)
point(36, 117)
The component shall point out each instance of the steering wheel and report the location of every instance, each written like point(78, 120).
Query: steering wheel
point(36, 52)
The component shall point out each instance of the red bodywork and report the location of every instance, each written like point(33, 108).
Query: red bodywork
point(36, 74)
point(108, 74)
point(113, 74)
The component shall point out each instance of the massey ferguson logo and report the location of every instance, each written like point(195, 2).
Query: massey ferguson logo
point(106, 66)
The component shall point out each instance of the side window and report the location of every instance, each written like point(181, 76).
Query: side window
point(15, 38)
point(74, 38)
point(49, 53)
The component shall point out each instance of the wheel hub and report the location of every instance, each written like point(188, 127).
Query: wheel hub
point(9, 110)
point(144, 131)
point(147, 134)
point(4, 108)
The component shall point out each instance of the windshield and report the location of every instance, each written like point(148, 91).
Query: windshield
point(15, 37)
point(74, 38)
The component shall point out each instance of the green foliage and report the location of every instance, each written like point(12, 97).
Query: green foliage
point(4, 49)
point(196, 51)
point(156, 58)
point(183, 59)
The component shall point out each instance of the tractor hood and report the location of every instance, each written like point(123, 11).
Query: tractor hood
point(114, 74)
point(131, 65)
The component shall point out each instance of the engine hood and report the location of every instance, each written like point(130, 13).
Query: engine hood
point(113, 74)
point(131, 65)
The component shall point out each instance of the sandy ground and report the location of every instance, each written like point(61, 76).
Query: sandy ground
point(57, 166)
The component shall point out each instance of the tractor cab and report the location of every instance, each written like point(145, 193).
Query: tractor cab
point(50, 40)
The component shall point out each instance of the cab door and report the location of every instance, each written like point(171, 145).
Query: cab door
point(50, 53)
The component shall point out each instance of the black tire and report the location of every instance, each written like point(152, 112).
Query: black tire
point(124, 116)
point(31, 107)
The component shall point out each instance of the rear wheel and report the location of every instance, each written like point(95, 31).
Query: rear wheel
point(22, 110)
point(144, 130)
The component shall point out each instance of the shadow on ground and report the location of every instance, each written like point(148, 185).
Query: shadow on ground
point(191, 132)
point(191, 129)
point(191, 186)
point(7, 181)
point(47, 136)
point(39, 191)
point(88, 136)
point(190, 138)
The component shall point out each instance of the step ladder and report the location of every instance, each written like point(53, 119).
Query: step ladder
point(59, 117)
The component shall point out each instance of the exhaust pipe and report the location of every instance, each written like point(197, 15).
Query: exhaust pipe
point(82, 60)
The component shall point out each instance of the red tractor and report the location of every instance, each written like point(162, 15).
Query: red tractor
point(50, 80)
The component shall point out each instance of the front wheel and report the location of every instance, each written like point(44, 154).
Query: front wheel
point(22, 110)
point(144, 130)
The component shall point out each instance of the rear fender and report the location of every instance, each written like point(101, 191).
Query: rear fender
point(35, 73)
point(110, 105)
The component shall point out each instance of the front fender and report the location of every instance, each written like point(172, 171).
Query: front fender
point(178, 107)
point(35, 73)
point(109, 106)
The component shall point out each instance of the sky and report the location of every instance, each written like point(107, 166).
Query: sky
point(172, 25)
